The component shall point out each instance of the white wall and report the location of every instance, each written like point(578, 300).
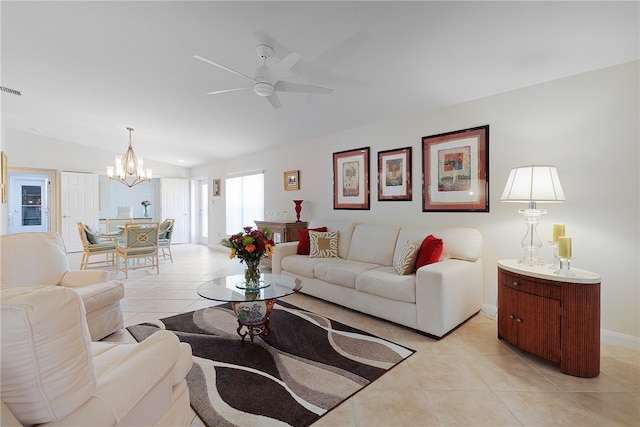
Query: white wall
point(586, 125)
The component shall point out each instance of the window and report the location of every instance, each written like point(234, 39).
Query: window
point(244, 200)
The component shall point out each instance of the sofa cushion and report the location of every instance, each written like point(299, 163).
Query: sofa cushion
point(344, 229)
point(430, 251)
point(47, 369)
point(373, 244)
point(385, 282)
point(323, 244)
point(340, 271)
point(45, 250)
point(300, 264)
point(303, 240)
point(406, 262)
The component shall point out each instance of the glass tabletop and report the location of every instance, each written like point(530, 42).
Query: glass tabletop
point(231, 288)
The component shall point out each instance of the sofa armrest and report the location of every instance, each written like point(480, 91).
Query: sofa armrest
point(75, 278)
point(280, 251)
point(447, 293)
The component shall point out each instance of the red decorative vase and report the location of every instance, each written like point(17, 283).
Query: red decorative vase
point(298, 209)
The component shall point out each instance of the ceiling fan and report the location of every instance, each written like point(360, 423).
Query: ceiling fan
point(268, 79)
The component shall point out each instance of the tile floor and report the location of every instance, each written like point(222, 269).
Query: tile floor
point(469, 378)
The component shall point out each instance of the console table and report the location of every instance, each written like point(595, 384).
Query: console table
point(554, 316)
point(283, 231)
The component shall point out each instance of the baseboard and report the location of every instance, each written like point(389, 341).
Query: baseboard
point(490, 310)
point(608, 337)
point(621, 340)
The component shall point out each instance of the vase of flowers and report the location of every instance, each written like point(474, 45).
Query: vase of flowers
point(250, 245)
point(145, 207)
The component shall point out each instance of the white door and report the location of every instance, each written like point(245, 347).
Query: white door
point(80, 202)
point(175, 204)
point(28, 203)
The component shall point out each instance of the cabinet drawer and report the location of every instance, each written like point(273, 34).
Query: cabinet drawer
point(539, 287)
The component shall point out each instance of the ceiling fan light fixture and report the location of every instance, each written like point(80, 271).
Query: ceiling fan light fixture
point(263, 89)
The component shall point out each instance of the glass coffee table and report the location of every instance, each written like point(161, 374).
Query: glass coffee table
point(251, 307)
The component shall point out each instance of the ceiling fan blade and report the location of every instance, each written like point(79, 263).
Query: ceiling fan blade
point(224, 67)
point(229, 90)
point(276, 72)
point(302, 88)
point(274, 101)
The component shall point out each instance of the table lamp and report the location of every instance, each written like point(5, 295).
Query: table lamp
point(532, 184)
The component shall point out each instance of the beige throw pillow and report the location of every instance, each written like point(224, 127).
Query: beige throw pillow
point(407, 260)
point(323, 244)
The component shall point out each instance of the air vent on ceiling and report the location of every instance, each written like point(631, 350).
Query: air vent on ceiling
point(11, 91)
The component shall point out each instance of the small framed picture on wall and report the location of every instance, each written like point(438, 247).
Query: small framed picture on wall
point(292, 180)
point(216, 188)
point(394, 174)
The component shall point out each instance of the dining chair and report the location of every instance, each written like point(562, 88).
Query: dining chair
point(164, 242)
point(139, 244)
point(95, 243)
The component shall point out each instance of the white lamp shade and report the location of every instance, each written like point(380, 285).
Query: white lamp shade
point(533, 184)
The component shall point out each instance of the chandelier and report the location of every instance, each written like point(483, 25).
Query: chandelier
point(129, 169)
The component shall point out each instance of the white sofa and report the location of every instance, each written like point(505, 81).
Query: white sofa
point(434, 300)
point(52, 374)
point(40, 259)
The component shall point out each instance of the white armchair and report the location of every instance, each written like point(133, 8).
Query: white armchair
point(52, 374)
point(39, 259)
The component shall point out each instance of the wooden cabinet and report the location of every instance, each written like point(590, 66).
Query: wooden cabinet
point(283, 232)
point(552, 316)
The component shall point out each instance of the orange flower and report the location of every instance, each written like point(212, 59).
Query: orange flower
point(250, 247)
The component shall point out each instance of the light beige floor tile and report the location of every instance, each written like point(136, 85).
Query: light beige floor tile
point(511, 373)
point(611, 409)
point(469, 408)
point(547, 408)
point(344, 415)
point(376, 406)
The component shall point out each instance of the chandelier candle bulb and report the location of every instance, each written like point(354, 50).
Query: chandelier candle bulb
point(558, 231)
point(564, 247)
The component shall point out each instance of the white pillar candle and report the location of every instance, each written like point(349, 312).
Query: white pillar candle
point(564, 247)
point(558, 231)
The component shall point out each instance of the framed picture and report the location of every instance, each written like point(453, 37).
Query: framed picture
point(292, 180)
point(217, 188)
point(455, 171)
point(351, 179)
point(394, 174)
point(4, 178)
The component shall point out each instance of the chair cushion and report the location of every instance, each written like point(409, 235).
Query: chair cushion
point(47, 368)
point(91, 237)
point(45, 250)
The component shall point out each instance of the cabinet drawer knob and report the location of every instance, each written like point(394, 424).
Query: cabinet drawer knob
point(511, 316)
point(519, 320)
point(516, 283)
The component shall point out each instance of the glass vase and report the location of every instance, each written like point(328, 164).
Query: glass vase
point(146, 211)
point(252, 273)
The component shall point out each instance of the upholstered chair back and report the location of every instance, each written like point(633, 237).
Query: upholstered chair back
point(33, 259)
point(47, 369)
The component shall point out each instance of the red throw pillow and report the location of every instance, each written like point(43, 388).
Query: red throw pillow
point(303, 240)
point(430, 251)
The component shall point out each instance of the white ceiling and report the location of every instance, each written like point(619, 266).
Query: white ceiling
point(87, 70)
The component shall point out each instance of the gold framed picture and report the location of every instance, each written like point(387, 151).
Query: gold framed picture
point(216, 188)
point(292, 180)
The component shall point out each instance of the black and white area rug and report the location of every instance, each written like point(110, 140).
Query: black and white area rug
point(308, 366)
